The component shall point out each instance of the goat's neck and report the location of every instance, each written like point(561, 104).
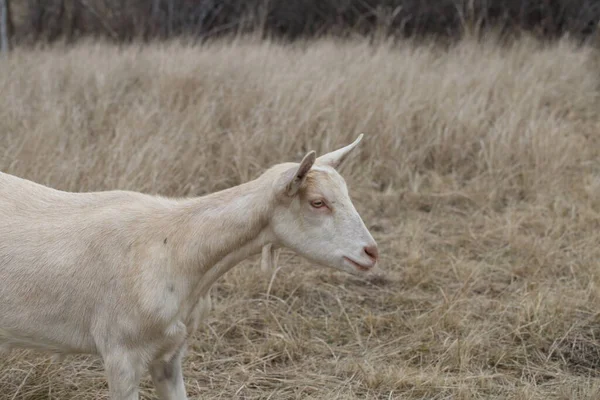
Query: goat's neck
point(222, 229)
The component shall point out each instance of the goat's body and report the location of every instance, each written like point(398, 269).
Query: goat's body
point(127, 275)
point(88, 272)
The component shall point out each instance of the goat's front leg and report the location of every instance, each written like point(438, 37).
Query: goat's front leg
point(123, 371)
point(168, 377)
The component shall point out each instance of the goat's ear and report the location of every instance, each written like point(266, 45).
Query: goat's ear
point(335, 158)
point(299, 176)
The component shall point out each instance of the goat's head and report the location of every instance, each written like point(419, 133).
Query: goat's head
point(314, 215)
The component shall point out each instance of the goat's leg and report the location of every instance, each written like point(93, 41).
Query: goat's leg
point(168, 377)
point(123, 371)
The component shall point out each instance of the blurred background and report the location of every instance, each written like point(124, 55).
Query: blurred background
point(31, 21)
point(478, 175)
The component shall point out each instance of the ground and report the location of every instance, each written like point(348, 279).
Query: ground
point(479, 176)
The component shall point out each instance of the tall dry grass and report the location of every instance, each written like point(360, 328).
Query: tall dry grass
point(479, 176)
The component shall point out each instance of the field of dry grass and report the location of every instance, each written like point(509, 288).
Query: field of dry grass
point(479, 176)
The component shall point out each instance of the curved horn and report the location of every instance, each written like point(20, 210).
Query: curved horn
point(336, 157)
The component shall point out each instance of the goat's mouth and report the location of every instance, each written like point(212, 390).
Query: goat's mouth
point(358, 266)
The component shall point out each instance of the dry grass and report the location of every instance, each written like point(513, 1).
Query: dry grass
point(479, 176)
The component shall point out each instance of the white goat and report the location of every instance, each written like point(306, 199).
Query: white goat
point(127, 275)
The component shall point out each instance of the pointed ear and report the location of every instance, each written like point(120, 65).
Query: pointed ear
point(335, 158)
point(300, 175)
point(269, 258)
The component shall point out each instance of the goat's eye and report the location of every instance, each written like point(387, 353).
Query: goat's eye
point(317, 203)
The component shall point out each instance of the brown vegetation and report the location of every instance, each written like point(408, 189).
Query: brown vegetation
point(479, 175)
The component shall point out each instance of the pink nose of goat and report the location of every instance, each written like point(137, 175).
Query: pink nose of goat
point(372, 252)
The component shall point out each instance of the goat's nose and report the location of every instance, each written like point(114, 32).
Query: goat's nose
point(372, 252)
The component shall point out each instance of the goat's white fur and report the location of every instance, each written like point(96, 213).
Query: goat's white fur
point(127, 275)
